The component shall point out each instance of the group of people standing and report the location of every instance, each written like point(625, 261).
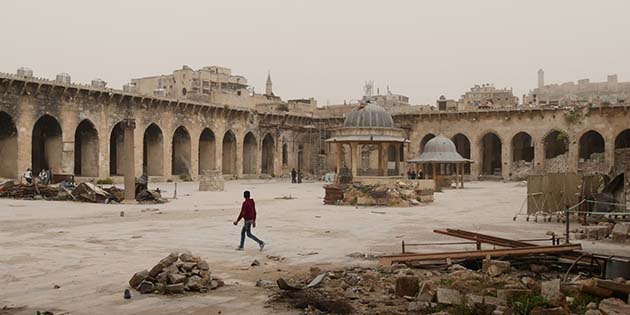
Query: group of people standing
point(411, 174)
point(45, 176)
point(296, 177)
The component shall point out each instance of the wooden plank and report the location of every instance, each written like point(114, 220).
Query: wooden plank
point(521, 251)
point(614, 286)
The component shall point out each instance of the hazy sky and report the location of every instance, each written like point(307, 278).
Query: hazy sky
point(325, 49)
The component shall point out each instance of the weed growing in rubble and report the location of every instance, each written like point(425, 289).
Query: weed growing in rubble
point(581, 301)
point(523, 305)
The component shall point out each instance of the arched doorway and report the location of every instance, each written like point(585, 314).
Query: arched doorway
point(556, 143)
point(522, 147)
point(153, 151)
point(229, 153)
point(8, 147)
point(116, 150)
point(180, 162)
point(47, 145)
point(424, 141)
point(392, 157)
point(268, 148)
point(462, 144)
point(622, 141)
point(490, 150)
point(591, 142)
point(285, 155)
point(250, 150)
point(86, 150)
point(207, 150)
point(622, 150)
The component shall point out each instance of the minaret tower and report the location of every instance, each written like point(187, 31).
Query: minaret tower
point(541, 78)
point(269, 89)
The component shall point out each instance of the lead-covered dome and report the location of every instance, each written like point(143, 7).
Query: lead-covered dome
point(441, 150)
point(440, 144)
point(369, 116)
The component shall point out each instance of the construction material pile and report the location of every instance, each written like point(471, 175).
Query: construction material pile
point(175, 274)
point(10, 190)
point(400, 194)
point(497, 288)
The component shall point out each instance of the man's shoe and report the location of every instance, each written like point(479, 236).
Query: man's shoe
point(262, 245)
point(239, 248)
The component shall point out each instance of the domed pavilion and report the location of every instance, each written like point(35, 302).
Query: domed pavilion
point(369, 128)
point(442, 162)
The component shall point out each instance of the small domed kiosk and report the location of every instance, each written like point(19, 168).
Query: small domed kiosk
point(370, 125)
point(441, 162)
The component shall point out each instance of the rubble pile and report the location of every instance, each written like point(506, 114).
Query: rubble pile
point(619, 232)
point(497, 288)
point(400, 194)
point(84, 192)
point(10, 190)
point(521, 169)
point(175, 274)
point(595, 164)
point(558, 164)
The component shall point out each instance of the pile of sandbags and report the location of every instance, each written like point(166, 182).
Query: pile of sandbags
point(175, 274)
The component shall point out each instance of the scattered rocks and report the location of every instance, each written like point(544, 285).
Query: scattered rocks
point(175, 274)
point(127, 294)
point(449, 296)
point(495, 268)
point(614, 306)
point(255, 263)
point(621, 231)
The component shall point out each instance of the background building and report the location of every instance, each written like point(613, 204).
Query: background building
point(486, 95)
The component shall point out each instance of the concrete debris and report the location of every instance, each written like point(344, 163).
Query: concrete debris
point(175, 274)
point(404, 290)
point(398, 194)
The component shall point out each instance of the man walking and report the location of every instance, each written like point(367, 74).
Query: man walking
point(293, 176)
point(248, 214)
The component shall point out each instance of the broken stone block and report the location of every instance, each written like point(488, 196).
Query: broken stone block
point(407, 285)
point(621, 231)
point(473, 299)
point(194, 283)
point(203, 265)
point(188, 266)
point(214, 284)
point(146, 287)
point(495, 268)
point(508, 295)
point(137, 278)
point(255, 263)
point(449, 296)
point(614, 306)
point(175, 288)
point(176, 278)
point(171, 269)
point(593, 312)
point(550, 289)
point(420, 307)
point(186, 256)
point(548, 311)
point(596, 232)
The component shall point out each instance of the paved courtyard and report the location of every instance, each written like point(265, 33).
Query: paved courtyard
point(90, 251)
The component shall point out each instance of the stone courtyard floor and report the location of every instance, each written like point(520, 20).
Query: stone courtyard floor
point(91, 252)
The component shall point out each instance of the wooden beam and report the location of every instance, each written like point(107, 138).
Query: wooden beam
point(521, 251)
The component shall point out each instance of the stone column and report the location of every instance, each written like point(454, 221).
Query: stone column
point(397, 146)
point(353, 158)
point(475, 155)
point(339, 155)
point(381, 169)
point(456, 175)
point(573, 156)
point(539, 157)
point(129, 167)
point(506, 159)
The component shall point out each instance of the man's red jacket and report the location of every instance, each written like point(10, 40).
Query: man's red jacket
point(248, 211)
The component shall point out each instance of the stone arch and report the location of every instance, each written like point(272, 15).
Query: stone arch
point(556, 143)
point(250, 153)
point(490, 149)
point(591, 142)
point(424, 141)
point(8, 146)
point(229, 153)
point(268, 150)
point(180, 153)
point(462, 144)
point(622, 140)
point(153, 151)
point(46, 145)
point(207, 150)
point(522, 147)
point(116, 150)
point(86, 149)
